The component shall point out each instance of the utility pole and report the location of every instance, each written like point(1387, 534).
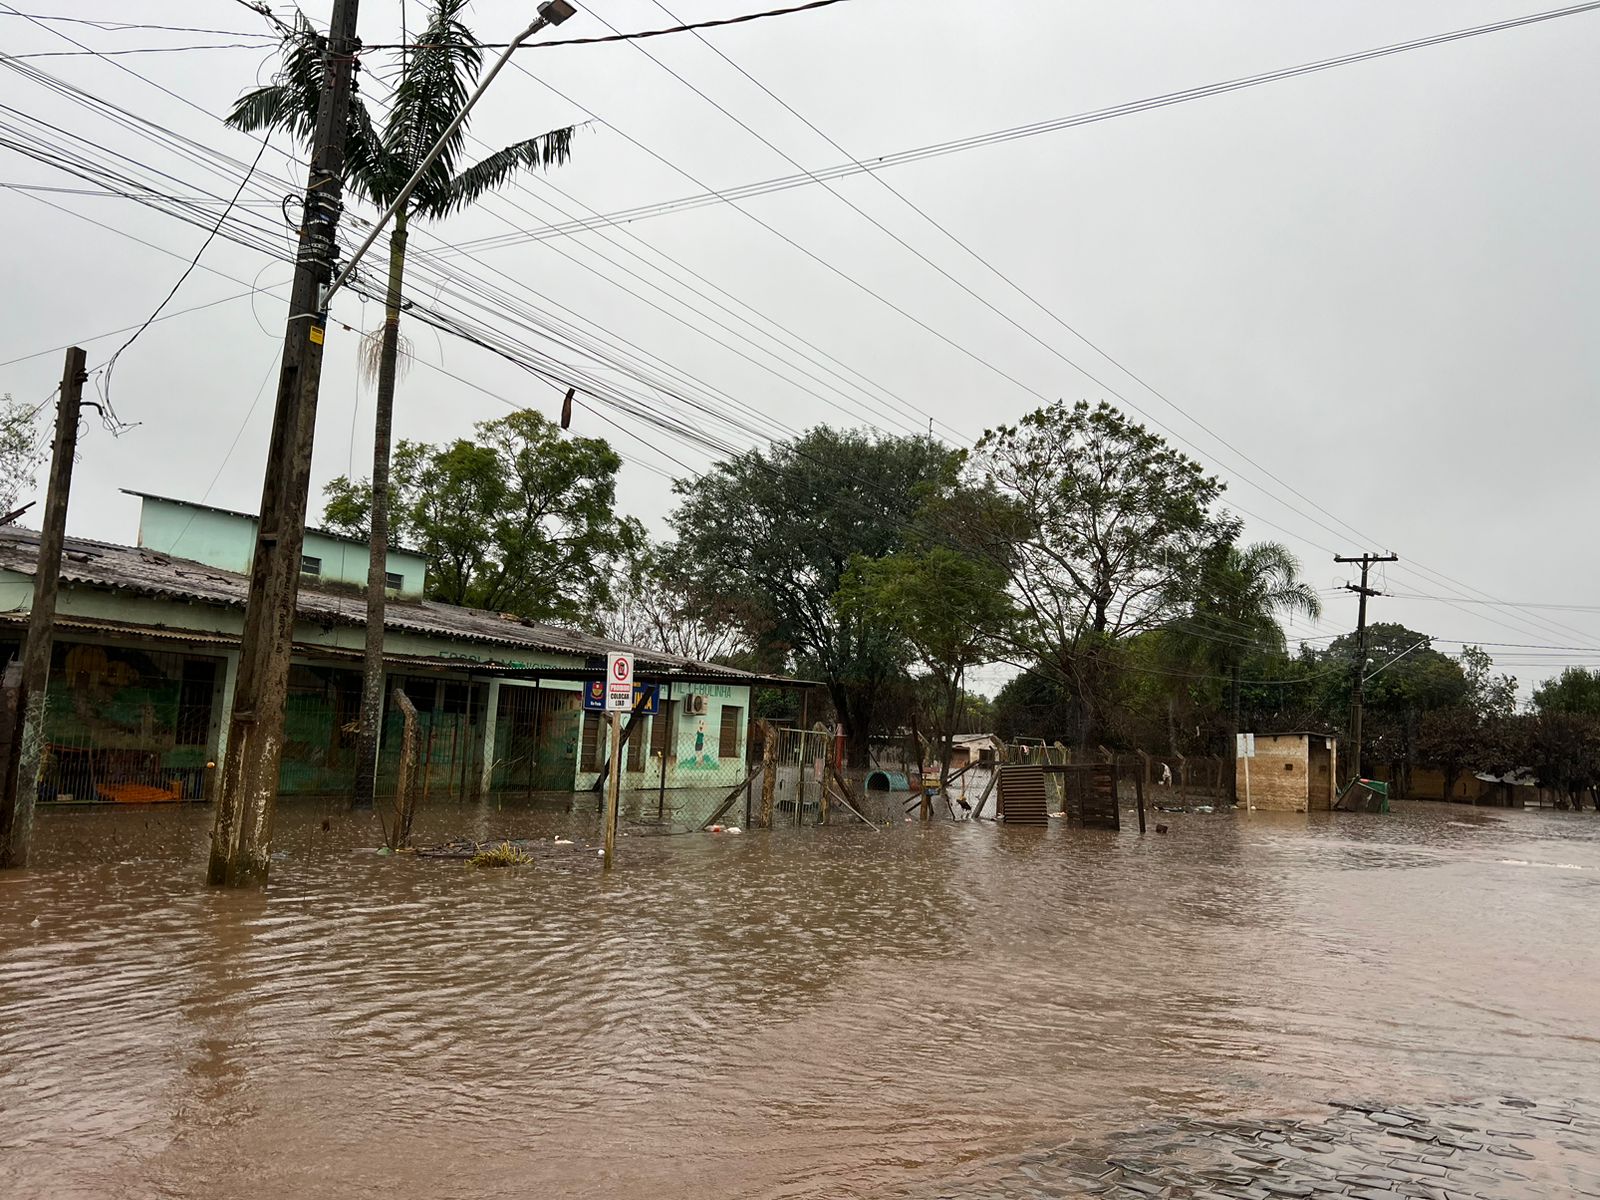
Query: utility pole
point(1357, 680)
point(241, 837)
point(21, 789)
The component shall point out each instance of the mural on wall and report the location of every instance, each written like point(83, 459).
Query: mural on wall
point(701, 759)
point(124, 724)
point(113, 697)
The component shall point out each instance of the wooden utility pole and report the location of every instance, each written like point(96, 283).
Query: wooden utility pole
point(21, 789)
point(241, 838)
point(769, 771)
point(1358, 676)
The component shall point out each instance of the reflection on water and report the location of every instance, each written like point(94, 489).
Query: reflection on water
point(796, 1014)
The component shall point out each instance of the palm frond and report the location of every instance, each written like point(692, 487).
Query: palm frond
point(547, 150)
point(290, 102)
point(437, 80)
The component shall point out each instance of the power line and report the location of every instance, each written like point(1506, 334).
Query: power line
point(562, 373)
point(1582, 608)
point(1011, 283)
point(1129, 108)
point(128, 26)
point(617, 36)
point(192, 106)
point(136, 50)
point(111, 363)
point(869, 402)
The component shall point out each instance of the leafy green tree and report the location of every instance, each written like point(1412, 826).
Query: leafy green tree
point(1564, 752)
point(768, 535)
point(1034, 704)
point(950, 608)
point(1451, 741)
point(520, 520)
point(20, 451)
point(1243, 594)
point(1490, 695)
point(1111, 529)
point(1406, 678)
point(436, 77)
point(1576, 690)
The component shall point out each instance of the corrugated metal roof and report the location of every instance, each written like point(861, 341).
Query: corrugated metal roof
point(110, 567)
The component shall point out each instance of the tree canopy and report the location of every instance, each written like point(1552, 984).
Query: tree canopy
point(20, 451)
point(765, 538)
point(1109, 530)
point(519, 519)
point(950, 608)
point(1575, 691)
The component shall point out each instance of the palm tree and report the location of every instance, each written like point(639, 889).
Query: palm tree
point(436, 78)
point(1237, 610)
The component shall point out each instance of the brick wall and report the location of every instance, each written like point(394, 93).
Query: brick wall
point(1278, 774)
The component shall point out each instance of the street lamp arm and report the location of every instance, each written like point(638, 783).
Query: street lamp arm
point(551, 12)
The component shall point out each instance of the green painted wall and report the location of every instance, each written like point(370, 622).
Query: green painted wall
point(316, 762)
point(694, 758)
point(226, 540)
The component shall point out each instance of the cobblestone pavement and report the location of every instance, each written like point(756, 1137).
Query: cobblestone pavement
point(1502, 1149)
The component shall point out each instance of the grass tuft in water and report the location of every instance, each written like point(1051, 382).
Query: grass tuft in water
point(503, 855)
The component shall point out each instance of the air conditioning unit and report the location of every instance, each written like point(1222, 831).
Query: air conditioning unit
point(695, 705)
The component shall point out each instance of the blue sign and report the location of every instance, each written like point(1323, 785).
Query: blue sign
point(644, 697)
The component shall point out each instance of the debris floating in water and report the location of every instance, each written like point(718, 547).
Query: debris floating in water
point(504, 852)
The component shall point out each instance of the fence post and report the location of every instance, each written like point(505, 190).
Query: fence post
point(405, 804)
point(800, 780)
point(769, 772)
point(1138, 789)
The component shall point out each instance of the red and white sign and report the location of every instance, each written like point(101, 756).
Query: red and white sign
point(619, 682)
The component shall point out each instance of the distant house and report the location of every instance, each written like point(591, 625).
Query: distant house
point(1291, 772)
point(1514, 789)
point(146, 656)
point(973, 750)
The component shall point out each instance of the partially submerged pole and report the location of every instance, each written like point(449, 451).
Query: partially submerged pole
point(1138, 791)
point(769, 771)
point(248, 788)
point(22, 789)
point(668, 743)
point(613, 785)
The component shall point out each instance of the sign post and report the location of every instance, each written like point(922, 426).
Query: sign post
point(1247, 750)
point(619, 699)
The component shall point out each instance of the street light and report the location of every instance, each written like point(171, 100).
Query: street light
point(551, 12)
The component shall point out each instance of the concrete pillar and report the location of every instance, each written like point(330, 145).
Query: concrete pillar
point(490, 713)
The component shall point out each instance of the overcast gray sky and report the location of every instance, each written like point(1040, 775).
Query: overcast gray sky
point(1377, 282)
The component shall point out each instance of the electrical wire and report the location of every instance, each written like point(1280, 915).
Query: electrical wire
point(1034, 301)
point(617, 36)
point(165, 89)
point(1012, 133)
point(134, 50)
point(128, 26)
point(111, 363)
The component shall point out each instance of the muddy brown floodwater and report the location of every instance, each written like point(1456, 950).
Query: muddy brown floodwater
point(805, 1013)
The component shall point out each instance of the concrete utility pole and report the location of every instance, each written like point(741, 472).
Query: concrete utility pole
point(1358, 678)
point(22, 788)
point(241, 838)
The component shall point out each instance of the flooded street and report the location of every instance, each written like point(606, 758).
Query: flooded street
point(805, 1013)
